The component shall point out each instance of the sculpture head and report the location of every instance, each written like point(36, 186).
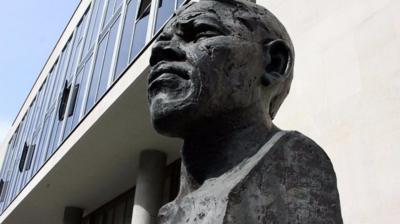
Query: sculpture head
point(218, 59)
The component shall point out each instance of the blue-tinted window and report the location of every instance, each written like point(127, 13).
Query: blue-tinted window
point(96, 74)
point(180, 2)
point(60, 75)
point(56, 100)
point(23, 157)
point(79, 99)
point(94, 25)
point(49, 87)
point(42, 146)
point(139, 36)
point(3, 189)
point(53, 133)
point(164, 12)
point(105, 73)
point(29, 157)
point(109, 11)
point(16, 158)
point(64, 100)
point(118, 4)
point(82, 80)
point(30, 121)
point(123, 54)
point(39, 106)
point(11, 157)
point(74, 57)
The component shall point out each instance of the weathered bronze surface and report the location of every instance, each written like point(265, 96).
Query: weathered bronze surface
point(220, 71)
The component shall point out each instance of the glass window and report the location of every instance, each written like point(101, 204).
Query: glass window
point(164, 12)
point(23, 157)
point(14, 160)
point(31, 120)
point(39, 106)
point(3, 189)
point(50, 87)
point(80, 30)
point(60, 75)
point(109, 12)
point(53, 133)
point(16, 184)
point(94, 25)
point(96, 74)
point(71, 109)
point(74, 57)
point(139, 38)
point(144, 6)
point(29, 157)
point(42, 146)
point(123, 54)
point(82, 80)
point(56, 101)
point(7, 156)
point(64, 100)
point(105, 73)
point(97, 24)
point(180, 2)
point(118, 4)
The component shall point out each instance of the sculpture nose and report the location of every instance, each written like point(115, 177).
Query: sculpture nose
point(166, 48)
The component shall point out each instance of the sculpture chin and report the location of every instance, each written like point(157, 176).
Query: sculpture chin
point(171, 116)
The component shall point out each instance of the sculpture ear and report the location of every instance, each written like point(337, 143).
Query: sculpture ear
point(279, 62)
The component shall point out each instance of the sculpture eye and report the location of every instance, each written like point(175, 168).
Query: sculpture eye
point(202, 31)
point(193, 32)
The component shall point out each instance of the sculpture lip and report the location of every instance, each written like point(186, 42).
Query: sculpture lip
point(170, 68)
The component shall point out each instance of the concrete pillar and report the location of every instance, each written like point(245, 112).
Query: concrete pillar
point(72, 215)
point(149, 187)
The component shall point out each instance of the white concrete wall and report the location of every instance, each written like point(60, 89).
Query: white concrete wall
point(346, 96)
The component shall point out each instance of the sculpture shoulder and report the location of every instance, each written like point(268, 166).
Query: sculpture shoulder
point(295, 156)
point(293, 183)
point(298, 151)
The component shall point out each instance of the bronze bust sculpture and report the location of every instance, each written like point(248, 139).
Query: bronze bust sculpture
point(219, 72)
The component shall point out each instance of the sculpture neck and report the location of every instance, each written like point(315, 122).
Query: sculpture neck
point(220, 144)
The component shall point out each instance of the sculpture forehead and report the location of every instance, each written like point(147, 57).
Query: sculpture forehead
point(212, 10)
point(206, 6)
point(228, 16)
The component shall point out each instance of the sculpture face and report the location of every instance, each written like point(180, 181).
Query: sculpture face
point(204, 65)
